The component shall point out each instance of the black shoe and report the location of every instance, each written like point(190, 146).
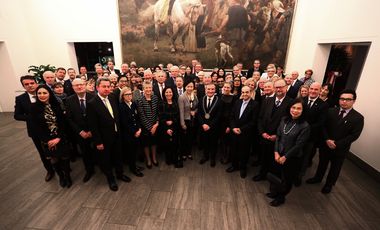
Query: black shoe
point(69, 182)
point(313, 180)
point(190, 157)
point(124, 178)
point(259, 177)
point(87, 176)
point(138, 173)
point(139, 168)
point(271, 195)
point(231, 169)
point(212, 163)
point(184, 158)
point(298, 182)
point(49, 176)
point(156, 164)
point(62, 181)
point(243, 173)
point(149, 166)
point(202, 161)
point(112, 185)
point(326, 189)
point(277, 202)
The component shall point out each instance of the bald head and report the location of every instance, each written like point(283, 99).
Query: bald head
point(315, 90)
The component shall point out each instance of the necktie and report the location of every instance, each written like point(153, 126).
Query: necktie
point(109, 107)
point(310, 103)
point(180, 91)
point(209, 103)
point(341, 114)
point(82, 106)
point(278, 103)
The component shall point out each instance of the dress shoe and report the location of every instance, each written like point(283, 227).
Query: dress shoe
point(138, 173)
point(49, 176)
point(277, 202)
point(271, 195)
point(313, 180)
point(149, 166)
point(87, 176)
point(112, 185)
point(326, 189)
point(139, 168)
point(212, 163)
point(231, 169)
point(62, 181)
point(156, 164)
point(202, 161)
point(258, 177)
point(124, 178)
point(243, 173)
point(190, 157)
point(184, 158)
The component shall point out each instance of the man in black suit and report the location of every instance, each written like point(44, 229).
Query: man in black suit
point(103, 119)
point(271, 111)
point(111, 68)
point(343, 126)
point(121, 83)
point(209, 111)
point(315, 110)
point(21, 113)
point(294, 86)
point(178, 90)
point(77, 118)
point(159, 85)
point(67, 86)
point(174, 73)
point(243, 122)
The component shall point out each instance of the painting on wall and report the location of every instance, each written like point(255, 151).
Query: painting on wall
point(216, 32)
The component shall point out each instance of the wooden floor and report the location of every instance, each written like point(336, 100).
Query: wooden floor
point(195, 197)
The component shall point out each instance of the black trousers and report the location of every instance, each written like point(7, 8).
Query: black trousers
point(187, 138)
point(130, 149)
point(110, 158)
point(88, 154)
point(336, 158)
point(209, 140)
point(47, 164)
point(267, 157)
point(240, 154)
point(308, 152)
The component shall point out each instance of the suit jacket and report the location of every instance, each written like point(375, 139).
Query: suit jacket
point(101, 123)
point(270, 117)
point(22, 112)
point(251, 70)
point(343, 131)
point(156, 91)
point(116, 93)
point(77, 121)
point(248, 119)
point(215, 113)
point(129, 120)
point(316, 117)
point(68, 87)
point(169, 82)
point(293, 90)
point(116, 71)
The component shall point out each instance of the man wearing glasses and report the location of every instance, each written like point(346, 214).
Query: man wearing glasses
point(343, 126)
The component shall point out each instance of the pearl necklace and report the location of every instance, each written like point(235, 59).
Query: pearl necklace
point(286, 133)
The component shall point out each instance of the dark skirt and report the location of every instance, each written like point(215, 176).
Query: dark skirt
point(62, 150)
point(147, 139)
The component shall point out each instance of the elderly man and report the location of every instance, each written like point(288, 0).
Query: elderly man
point(22, 113)
point(76, 105)
point(294, 86)
point(103, 120)
point(343, 126)
point(49, 78)
point(242, 124)
point(209, 111)
point(174, 73)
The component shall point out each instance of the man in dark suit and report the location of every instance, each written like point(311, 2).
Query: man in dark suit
point(343, 126)
point(159, 85)
point(243, 122)
point(271, 111)
point(178, 90)
point(315, 110)
point(21, 113)
point(170, 81)
point(77, 118)
point(103, 119)
point(67, 85)
point(122, 82)
point(294, 86)
point(209, 111)
point(256, 67)
point(111, 68)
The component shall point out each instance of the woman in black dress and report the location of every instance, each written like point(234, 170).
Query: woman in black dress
point(130, 129)
point(48, 118)
point(292, 134)
point(169, 126)
point(147, 107)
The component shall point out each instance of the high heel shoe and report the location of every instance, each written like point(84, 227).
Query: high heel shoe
point(149, 166)
point(190, 157)
point(155, 163)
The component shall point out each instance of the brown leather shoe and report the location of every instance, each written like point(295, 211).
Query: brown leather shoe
point(49, 176)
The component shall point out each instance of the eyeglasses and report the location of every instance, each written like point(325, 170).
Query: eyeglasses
point(346, 99)
point(127, 94)
point(279, 87)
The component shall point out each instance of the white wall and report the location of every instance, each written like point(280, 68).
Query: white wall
point(42, 31)
point(325, 22)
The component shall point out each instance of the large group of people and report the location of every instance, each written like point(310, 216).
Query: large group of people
point(115, 117)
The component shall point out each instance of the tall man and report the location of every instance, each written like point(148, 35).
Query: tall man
point(21, 113)
point(243, 122)
point(68, 83)
point(77, 118)
point(271, 112)
point(209, 115)
point(103, 119)
point(343, 126)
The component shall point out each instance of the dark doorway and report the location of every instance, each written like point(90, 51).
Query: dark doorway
point(90, 53)
point(345, 66)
